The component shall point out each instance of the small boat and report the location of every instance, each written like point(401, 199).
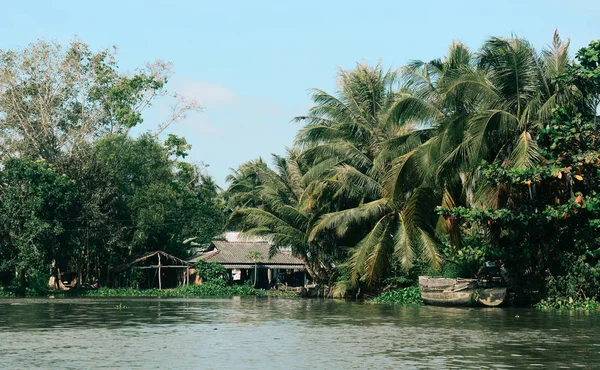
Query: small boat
point(440, 291)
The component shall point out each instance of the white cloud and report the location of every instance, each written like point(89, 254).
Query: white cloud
point(208, 94)
point(200, 125)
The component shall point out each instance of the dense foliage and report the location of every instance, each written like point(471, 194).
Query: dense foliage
point(78, 194)
point(209, 289)
point(440, 166)
point(435, 167)
point(210, 271)
point(408, 295)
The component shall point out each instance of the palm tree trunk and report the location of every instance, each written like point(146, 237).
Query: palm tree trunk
point(315, 275)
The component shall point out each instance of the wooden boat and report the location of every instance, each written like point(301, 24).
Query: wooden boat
point(441, 291)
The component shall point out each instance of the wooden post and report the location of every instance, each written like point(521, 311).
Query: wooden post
point(187, 276)
point(159, 279)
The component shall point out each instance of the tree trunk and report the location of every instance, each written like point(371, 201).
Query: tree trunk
point(61, 286)
point(310, 271)
point(159, 278)
point(255, 274)
point(52, 282)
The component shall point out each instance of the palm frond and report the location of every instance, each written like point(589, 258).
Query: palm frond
point(341, 221)
point(526, 153)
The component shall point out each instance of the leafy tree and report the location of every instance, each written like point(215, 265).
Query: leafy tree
point(56, 99)
point(67, 112)
point(545, 220)
point(139, 197)
point(36, 221)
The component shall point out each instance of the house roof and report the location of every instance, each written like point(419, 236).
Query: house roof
point(237, 255)
point(147, 259)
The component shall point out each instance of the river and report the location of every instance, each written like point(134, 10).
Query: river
point(280, 333)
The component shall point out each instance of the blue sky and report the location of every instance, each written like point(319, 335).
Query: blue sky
point(250, 63)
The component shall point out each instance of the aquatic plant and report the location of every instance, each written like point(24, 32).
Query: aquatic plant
point(405, 296)
point(213, 288)
point(558, 303)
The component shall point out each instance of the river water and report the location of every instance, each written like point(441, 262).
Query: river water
point(280, 333)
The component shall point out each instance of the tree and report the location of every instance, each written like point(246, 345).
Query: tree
point(256, 257)
point(545, 223)
point(138, 197)
point(276, 213)
point(36, 219)
point(56, 99)
point(82, 195)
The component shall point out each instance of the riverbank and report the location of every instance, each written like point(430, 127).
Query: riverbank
point(412, 296)
point(208, 289)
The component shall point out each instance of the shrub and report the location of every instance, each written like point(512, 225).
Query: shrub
point(408, 295)
point(577, 288)
point(210, 271)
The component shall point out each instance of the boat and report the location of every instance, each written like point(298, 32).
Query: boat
point(440, 291)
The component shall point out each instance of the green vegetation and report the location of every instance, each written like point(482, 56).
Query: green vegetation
point(78, 194)
point(409, 295)
point(441, 165)
point(209, 271)
point(487, 154)
point(209, 289)
point(556, 303)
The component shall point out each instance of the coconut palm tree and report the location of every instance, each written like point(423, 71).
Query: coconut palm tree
point(399, 216)
point(470, 106)
point(277, 215)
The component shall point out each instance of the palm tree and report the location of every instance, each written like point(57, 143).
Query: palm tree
point(482, 107)
point(467, 106)
point(399, 217)
point(256, 257)
point(277, 215)
point(382, 152)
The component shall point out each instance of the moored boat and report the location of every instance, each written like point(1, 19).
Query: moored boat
point(440, 291)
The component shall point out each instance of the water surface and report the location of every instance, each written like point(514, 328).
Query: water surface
point(287, 333)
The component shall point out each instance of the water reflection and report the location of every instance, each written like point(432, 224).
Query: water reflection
point(285, 333)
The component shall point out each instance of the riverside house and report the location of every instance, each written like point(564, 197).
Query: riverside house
point(243, 259)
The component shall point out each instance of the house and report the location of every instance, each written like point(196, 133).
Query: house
point(245, 259)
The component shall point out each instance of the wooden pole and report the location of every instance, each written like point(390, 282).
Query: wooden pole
point(187, 276)
point(159, 278)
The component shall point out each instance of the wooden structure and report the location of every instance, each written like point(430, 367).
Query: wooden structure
point(250, 261)
point(154, 269)
point(441, 291)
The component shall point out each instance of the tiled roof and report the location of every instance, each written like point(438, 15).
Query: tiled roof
point(237, 255)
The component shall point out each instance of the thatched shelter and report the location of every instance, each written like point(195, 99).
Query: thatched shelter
point(153, 270)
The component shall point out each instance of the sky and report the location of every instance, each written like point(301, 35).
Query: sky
point(250, 64)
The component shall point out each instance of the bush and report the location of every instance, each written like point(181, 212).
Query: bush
point(210, 271)
point(405, 296)
point(214, 288)
point(577, 288)
point(37, 285)
point(6, 293)
point(34, 285)
point(557, 303)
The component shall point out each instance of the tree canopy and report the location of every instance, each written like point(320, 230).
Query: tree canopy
point(439, 166)
point(78, 193)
